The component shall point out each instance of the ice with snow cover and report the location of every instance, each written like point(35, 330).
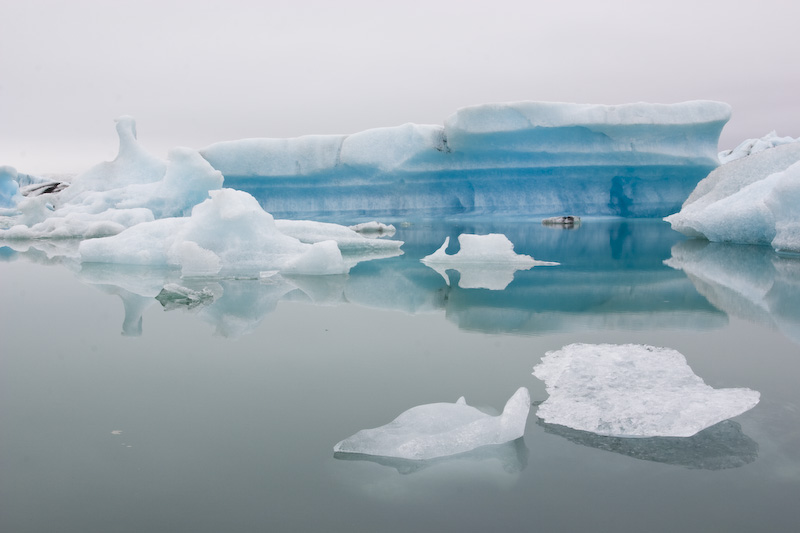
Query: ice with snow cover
point(753, 199)
point(511, 158)
point(632, 390)
point(441, 429)
point(483, 261)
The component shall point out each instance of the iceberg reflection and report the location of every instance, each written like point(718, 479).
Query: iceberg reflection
point(718, 447)
point(612, 275)
point(511, 456)
point(750, 282)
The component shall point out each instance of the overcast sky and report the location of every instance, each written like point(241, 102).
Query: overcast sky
point(196, 72)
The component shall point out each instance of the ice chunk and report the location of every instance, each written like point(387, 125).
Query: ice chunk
point(174, 296)
point(753, 200)
point(133, 165)
point(566, 221)
point(349, 240)
point(512, 158)
point(632, 390)
point(753, 146)
point(484, 261)
point(227, 233)
point(374, 229)
point(440, 429)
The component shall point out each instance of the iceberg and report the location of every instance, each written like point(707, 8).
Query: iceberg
point(518, 158)
point(227, 233)
point(134, 188)
point(441, 429)
point(484, 261)
point(751, 200)
point(632, 390)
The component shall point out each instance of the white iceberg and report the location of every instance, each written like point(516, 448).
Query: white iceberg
point(441, 429)
point(484, 261)
point(632, 390)
point(228, 232)
point(751, 200)
point(135, 187)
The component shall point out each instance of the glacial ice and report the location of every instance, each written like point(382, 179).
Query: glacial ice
point(751, 200)
point(512, 158)
point(171, 222)
point(484, 261)
point(135, 187)
point(632, 391)
point(441, 429)
point(228, 232)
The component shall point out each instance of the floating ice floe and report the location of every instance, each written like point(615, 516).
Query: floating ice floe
point(441, 429)
point(632, 390)
point(484, 261)
point(751, 200)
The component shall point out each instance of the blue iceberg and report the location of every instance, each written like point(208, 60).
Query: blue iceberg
point(528, 158)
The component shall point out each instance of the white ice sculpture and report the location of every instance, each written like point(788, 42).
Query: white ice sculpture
point(632, 390)
point(441, 429)
point(484, 261)
point(751, 200)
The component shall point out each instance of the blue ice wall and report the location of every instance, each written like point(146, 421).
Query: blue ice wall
point(524, 158)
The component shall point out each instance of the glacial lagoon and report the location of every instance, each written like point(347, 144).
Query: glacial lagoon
point(126, 407)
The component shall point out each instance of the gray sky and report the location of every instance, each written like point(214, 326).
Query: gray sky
point(197, 72)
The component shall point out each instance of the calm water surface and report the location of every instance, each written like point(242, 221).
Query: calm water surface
point(123, 412)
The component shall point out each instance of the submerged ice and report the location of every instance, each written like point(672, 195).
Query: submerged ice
point(441, 429)
point(632, 391)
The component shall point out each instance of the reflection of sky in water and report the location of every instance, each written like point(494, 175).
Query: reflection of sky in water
point(236, 433)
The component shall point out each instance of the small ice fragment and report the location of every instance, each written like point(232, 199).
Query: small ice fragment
point(116, 432)
point(632, 390)
point(567, 221)
point(374, 229)
point(484, 261)
point(441, 429)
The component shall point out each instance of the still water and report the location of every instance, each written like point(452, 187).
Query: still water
point(121, 411)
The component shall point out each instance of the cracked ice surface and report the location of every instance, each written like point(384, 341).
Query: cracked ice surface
point(632, 390)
